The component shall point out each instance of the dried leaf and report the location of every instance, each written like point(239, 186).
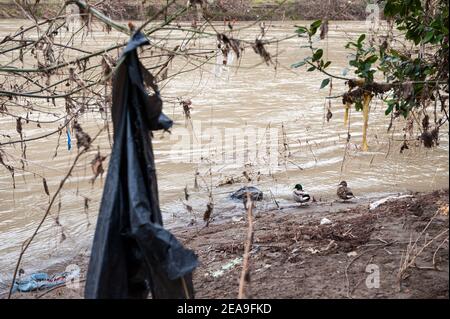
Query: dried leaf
point(329, 115)
point(83, 139)
point(97, 166)
point(186, 194)
point(196, 180)
point(324, 29)
point(44, 181)
point(187, 108)
point(63, 237)
point(259, 49)
point(59, 204)
point(19, 126)
point(208, 213)
point(86, 204)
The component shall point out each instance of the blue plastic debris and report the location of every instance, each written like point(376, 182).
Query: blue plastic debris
point(41, 280)
point(69, 140)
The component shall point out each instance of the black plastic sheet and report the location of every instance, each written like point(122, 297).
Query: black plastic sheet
point(132, 254)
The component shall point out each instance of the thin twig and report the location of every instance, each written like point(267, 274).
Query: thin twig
point(248, 245)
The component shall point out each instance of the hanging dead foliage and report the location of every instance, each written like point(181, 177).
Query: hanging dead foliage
point(186, 193)
point(186, 104)
point(97, 166)
point(426, 122)
point(108, 64)
point(19, 126)
point(404, 147)
point(86, 204)
point(44, 182)
point(85, 16)
point(8, 167)
point(435, 135)
point(329, 115)
point(83, 139)
point(208, 212)
point(324, 29)
point(427, 139)
point(227, 43)
point(259, 49)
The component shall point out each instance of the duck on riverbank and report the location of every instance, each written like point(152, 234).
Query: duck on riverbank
point(344, 192)
point(300, 195)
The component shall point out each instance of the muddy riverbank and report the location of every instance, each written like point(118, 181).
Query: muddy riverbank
point(219, 10)
point(360, 254)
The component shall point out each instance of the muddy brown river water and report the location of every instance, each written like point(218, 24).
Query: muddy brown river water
point(249, 118)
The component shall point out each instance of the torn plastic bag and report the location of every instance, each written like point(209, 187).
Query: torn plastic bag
point(132, 254)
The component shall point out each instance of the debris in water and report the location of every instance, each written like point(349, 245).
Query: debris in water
point(40, 281)
point(227, 266)
point(255, 193)
point(237, 219)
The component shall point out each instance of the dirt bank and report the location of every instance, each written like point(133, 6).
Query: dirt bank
point(292, 250)
point(234, 9)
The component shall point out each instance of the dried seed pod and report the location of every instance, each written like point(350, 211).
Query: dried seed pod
point(186, 194)
point(19, 125)
point(44, 182)
point(329, 115)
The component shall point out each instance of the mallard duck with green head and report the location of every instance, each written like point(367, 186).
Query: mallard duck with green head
point(300, 195)
point(344, 192)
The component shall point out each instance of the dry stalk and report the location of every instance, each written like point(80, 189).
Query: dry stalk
point(245, 274)
point(413, 251)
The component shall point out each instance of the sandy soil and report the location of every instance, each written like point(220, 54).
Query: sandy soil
point(293, 256)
